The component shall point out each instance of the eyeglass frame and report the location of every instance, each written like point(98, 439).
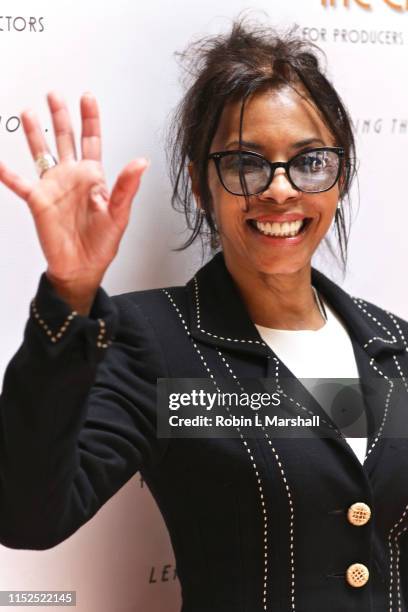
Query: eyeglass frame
point(216, 156)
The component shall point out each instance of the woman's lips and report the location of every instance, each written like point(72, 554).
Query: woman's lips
point(280, 240)
point(279, 218)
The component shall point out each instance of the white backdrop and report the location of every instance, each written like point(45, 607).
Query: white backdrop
point(122, 51)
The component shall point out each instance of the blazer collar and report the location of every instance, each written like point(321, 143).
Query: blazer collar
point(218, 316)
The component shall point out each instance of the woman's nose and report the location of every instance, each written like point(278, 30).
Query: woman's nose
point(280, 188)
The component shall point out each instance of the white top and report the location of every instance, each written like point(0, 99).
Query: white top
point(323, 353)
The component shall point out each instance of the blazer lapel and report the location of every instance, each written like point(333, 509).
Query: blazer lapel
point(375, 347)
point(217, 314)
point(218, 317)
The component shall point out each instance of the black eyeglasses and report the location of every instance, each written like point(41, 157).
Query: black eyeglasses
point(311, 171)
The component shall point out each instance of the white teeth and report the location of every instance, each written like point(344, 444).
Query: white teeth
point(280, 229)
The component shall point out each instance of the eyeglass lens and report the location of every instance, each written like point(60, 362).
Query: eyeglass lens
point(311, 171)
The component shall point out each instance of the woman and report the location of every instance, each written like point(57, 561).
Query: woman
point(285, 523)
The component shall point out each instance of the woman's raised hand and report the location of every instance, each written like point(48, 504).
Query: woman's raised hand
point(78, 221)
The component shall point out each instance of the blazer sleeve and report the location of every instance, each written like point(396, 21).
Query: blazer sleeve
point(77, 414)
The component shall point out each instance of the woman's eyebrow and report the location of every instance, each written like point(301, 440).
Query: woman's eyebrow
point(295, 145)
point(307, 141)
point(245, 143)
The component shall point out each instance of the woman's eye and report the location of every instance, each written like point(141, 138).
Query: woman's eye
point(235, 163)
point(251, 165)
point(314, 162)
point(231, 162)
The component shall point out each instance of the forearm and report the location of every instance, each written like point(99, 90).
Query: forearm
point(42, 409)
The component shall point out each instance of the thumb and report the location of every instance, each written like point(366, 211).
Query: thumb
point(126, 187)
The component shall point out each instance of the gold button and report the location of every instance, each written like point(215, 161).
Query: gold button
point(359, 514)
point(357, 575)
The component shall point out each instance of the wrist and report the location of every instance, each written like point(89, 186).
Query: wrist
point(79, 295)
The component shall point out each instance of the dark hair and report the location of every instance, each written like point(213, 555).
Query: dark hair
point(228, 68)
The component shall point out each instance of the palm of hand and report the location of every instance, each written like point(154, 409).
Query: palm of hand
point(73, 199)
point(79, 223)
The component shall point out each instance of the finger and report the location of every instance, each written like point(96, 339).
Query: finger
point(64, 135)
point(34, 134)
point(91, 129)
point(126, 186)
point(16, 183)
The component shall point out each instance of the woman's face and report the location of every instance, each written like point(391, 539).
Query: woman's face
point(274, 122)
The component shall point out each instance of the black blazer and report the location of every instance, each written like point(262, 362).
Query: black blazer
point(264, 521)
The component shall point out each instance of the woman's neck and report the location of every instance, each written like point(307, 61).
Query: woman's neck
point(280, 301)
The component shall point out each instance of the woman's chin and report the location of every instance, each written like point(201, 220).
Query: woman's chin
point(264, 265)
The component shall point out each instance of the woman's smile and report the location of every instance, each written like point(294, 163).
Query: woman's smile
point(282, 230)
